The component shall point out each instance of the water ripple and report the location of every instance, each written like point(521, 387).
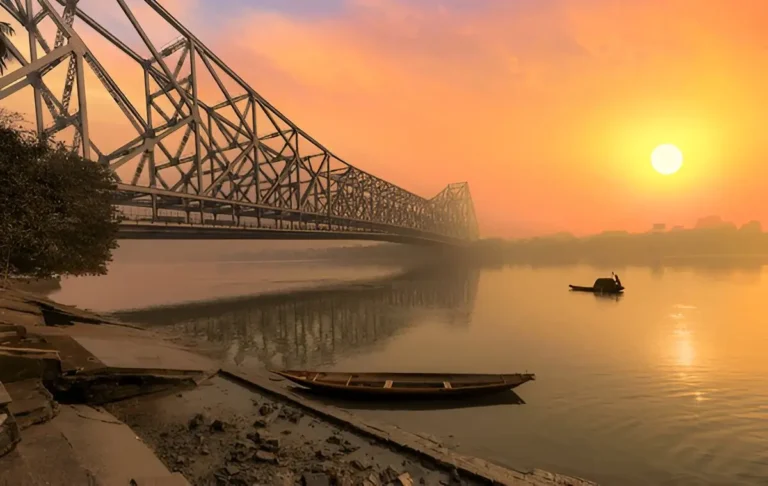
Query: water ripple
point(641, 393)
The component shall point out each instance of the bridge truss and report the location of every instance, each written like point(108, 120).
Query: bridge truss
point(197, 145)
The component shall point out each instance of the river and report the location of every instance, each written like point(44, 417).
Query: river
point(666, 385)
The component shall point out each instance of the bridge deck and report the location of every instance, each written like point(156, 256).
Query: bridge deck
point(148, 230)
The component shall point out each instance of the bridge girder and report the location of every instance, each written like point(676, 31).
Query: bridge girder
point(201, 139)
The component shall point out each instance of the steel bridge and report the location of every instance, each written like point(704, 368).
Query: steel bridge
point(199, 153)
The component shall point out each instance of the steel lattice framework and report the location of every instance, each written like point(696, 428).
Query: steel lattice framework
point(200, 145)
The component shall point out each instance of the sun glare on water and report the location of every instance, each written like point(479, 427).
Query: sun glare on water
point(666, 159)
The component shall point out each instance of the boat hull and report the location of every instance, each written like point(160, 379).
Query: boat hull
point(408, 386)
point(593, 290)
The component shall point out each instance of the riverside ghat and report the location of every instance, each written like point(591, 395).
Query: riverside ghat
point(86, 399)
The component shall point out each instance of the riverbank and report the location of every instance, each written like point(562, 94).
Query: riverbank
point(211, 426)
point(42, 286)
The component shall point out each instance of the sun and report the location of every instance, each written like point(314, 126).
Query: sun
point(666, 159)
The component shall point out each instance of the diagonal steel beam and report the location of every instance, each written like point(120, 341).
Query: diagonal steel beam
point(228, 156)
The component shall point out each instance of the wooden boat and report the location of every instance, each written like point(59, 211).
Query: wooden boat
point(601, 286)
point(405, 385)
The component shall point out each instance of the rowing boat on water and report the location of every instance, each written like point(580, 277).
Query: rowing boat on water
point(405, 385)
point(601, 286)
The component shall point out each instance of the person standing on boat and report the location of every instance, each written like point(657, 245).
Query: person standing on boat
point(616, 277)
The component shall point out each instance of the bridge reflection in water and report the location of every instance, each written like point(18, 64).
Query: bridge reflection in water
point(313, 328)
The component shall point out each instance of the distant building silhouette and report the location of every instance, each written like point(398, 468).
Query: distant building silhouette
point(713, 222)
point(614, 233)
point(752, 227)
point(711, 236)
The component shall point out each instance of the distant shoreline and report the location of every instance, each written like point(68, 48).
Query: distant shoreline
point(650, 261)
point(724, 256)
point(722, 244)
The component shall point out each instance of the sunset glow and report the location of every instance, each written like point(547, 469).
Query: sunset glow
point(537, 105)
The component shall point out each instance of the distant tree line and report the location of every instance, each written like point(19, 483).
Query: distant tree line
point(711, 237)
point(56, 213)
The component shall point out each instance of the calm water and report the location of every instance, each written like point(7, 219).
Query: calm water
point(147, 273)
point(664, 386)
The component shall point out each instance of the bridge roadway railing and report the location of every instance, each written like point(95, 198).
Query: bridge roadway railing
point(142, 222)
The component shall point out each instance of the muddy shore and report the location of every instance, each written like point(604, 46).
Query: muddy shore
point(194, 425)
point(221, 433)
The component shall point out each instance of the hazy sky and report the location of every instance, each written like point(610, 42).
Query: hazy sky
point(548, 108)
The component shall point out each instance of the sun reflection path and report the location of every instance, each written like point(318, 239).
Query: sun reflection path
point(684, 352)
point(684, 347)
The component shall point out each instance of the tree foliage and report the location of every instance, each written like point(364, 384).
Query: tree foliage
point(56, 213)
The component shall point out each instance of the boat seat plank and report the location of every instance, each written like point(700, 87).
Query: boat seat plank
point(388, 384)
point(447, 384)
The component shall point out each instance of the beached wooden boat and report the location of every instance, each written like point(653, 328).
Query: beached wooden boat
point(405, 385)
point(601, 286)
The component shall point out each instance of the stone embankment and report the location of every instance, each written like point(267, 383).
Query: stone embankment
point(79, 389)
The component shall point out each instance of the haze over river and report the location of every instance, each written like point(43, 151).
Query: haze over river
point(667, 385)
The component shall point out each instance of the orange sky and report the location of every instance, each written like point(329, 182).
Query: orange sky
point(548, 108)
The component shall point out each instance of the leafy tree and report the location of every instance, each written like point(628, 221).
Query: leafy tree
point(5, 53)
point(56, 213)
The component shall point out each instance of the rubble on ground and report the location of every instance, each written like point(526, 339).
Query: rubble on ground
point(223, 434)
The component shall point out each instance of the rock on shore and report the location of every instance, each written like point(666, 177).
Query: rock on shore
point(223, 434)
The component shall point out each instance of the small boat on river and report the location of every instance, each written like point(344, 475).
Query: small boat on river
point(602, 286)
point(405, 385)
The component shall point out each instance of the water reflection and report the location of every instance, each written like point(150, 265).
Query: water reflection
point(684, 347)
point(682, 336)
point(720, 268)
point(665, 387)
point(314, 328)
point(689, 372)
point(608, 297)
